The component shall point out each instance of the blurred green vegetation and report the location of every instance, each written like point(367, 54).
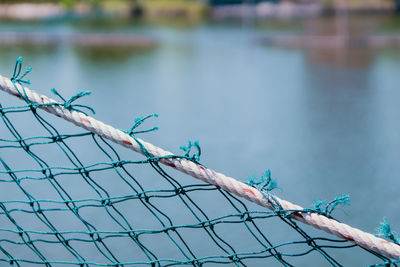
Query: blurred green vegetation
point(149, 8)
point(192, 9)
point(174, 8)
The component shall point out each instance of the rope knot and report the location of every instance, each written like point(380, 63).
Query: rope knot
point(196, 156)
point(385, 230)
point(138, 122)
point(68, 104)
point(17, 77)
point(265, 183)
point(131, 132)
point(331, 205)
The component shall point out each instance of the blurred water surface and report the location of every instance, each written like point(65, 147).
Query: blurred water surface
point(325, 121)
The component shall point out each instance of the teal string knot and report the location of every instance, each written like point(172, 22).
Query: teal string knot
point(318, 204)
point(264, 183)
point(326, 208)
point(131, 132)
point(68, 104)
point(16, 76)
point(196, 156)
point(385, 230)
point(138, 122)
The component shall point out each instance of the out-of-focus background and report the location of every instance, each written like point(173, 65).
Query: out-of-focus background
point(308, 89)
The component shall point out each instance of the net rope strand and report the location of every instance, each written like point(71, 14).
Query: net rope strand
point(227, 186)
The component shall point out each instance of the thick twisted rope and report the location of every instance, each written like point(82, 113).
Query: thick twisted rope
point(341, 230)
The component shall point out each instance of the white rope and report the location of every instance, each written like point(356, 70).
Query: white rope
point(229, 184)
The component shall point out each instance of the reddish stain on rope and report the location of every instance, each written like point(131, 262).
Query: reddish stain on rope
point(87, 121)
point(298, 215)
point(169, 164)
point(249, 191)
point(126, 142)
point(16, 94)
point(347, 238)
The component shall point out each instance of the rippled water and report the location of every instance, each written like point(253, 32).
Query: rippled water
point(325, 121)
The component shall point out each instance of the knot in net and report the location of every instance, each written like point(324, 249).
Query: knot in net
point(70, 197)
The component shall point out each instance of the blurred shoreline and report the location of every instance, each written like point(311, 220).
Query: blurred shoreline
point(187, 9)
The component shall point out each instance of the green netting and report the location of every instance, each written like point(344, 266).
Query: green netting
point(72, 198)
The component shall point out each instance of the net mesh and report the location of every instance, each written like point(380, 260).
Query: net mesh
point(72, 198)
